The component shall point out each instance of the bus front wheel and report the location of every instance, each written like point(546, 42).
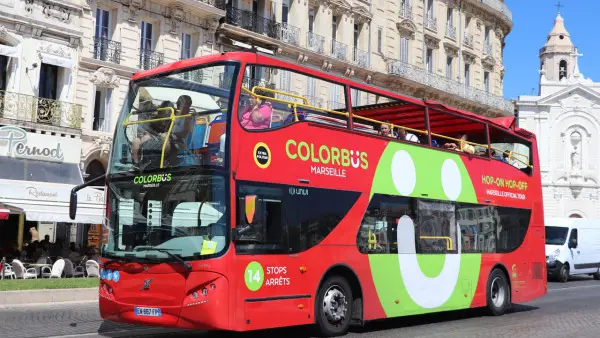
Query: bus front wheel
point(333, 309)
point(498, 293)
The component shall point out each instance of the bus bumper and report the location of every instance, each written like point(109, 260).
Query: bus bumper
point(205, 305)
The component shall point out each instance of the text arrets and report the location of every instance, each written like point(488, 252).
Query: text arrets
point(276, 276)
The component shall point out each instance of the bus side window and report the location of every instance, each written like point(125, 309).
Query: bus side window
point(260, 227)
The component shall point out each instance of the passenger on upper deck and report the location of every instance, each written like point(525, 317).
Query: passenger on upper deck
point(386, 130)
point(403, 135)
point(257, 115)
point(463, 145)
point(183, 126)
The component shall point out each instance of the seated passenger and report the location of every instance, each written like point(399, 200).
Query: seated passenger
point(386, 130)
point(463, 145)
point(147, 150)
point(257, 115)
point(403, 135)
point(183, 126)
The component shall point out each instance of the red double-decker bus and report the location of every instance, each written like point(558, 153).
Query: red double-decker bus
point(236, 203)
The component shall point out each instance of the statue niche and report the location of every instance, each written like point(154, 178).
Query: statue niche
point(576, 152)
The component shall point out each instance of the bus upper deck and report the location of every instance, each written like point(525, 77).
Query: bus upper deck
point(426, 122)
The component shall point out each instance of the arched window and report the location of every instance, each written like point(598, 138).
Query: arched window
point(95, 169)
point(575, 216)
point(562, 69)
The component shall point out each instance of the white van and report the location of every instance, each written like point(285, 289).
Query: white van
point(572, 248)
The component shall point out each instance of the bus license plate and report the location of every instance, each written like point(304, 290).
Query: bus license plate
point(147, 311)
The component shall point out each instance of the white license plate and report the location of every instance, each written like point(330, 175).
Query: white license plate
point(147, 311)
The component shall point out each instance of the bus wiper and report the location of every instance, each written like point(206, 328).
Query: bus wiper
point(166, 251)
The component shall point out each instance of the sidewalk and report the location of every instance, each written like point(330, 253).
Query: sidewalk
point(46, 296)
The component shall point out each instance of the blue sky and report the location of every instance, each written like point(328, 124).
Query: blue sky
point(532, 21)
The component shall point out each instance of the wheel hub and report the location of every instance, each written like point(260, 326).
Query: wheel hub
point(334, 304)
point(497, 292)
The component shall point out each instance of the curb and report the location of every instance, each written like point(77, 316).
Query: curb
point(47, 296)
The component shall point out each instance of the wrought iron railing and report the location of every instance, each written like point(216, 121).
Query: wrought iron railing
point(487, 48)
point(252, 22)
point(424, 77)
point(361, 58)
point(333, 105)
point(28, 108)
point(431, 23)
point(150, 59)
point(315, 42)
point(405, 11)
point(468, 41)
point(107, 50)
point(290, 34)
point(196, 75)
point(220, 4)
point(315, 101)
point(451, 32)
point(339, 50)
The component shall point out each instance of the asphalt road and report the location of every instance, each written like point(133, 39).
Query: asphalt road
point(568, 310)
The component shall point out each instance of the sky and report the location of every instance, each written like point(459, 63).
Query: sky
point(532, 21)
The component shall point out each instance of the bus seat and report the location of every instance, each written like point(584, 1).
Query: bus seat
point(198, 135)
point(216, 129)
point(276, 120)
point(290, 118)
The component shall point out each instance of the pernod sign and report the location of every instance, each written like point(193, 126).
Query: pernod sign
point(13, 143)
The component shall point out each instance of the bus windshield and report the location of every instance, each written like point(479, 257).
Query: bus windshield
point(556, 235)
point(182, 214)
point(174, 120)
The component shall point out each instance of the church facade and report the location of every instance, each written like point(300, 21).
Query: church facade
point(565, 118)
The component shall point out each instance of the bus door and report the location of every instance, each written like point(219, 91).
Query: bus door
point(269, 281)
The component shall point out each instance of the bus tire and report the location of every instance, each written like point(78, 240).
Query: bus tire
point(563, 273)
point(333, 310)
point(498, 293)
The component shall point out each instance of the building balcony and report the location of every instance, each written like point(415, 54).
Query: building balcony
point(405, 12)
point(32, 109)
point(315, 42)
point(196, 75)
point(290, 34)
point(150, 59)
point(315, 101)
point(360, 58)
point(220, 4)
point(107, 50)
point(422, 76)
point(247, 20)
point(431, 23)
point(499, 6)
point(451, 32)
point(339, 50)
point(468, 40)
point(487, 48)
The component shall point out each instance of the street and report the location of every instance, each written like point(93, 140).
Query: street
point(568, 310)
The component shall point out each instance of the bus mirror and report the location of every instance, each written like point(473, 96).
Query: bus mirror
point(73, 205)
point(250, 208)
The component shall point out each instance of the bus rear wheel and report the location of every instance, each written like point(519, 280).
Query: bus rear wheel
point(333, 309)
point(498, 293)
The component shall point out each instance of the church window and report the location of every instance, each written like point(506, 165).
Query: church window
point(562, 69)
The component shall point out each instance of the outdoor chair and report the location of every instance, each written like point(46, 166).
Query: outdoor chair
point(57, 270)
point(72, 271)
point(22, 273)
point(93, 269)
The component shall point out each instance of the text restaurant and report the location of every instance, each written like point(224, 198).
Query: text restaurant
point(37, 173)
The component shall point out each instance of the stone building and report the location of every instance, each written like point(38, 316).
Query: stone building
point(564, 116)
